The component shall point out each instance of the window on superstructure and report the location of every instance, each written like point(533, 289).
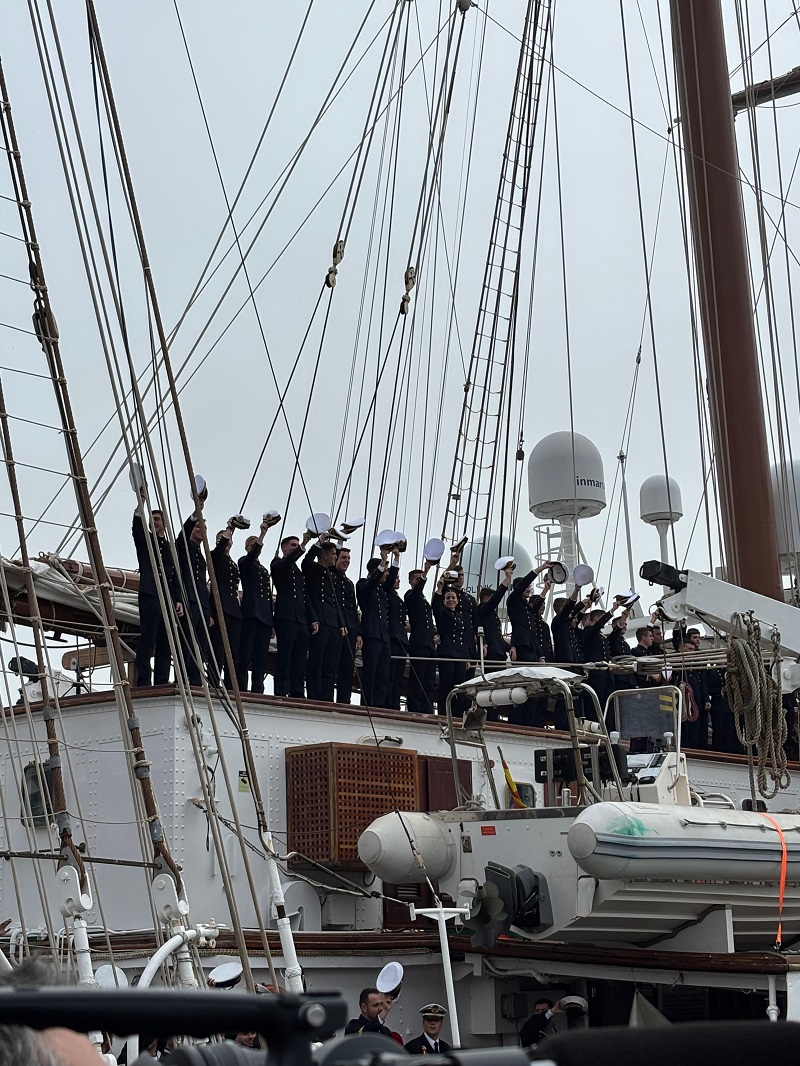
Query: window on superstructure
point(526, 792)
point(37, 805)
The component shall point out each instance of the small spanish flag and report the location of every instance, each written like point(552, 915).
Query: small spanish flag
point(512, 784)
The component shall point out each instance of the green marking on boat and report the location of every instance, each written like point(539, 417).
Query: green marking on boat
point(631, 827)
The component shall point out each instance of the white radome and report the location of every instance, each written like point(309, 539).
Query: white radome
point(566, 477)
point(656, 503)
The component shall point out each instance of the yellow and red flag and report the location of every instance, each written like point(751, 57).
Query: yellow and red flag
point(516, 799)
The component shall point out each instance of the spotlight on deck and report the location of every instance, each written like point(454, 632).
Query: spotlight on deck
point(24, 668)
point(658, 573)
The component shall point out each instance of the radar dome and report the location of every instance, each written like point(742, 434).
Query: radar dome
point(660, 500)
point(496, 546)
point(565, 477)
point(786, 501)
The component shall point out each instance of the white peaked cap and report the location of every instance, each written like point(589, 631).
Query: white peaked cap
point(199, 484)
point(319, 522)
point(227, 973)
point(503, 562)
point(387, 537)
point(434, 550)
point(559, 574)
point(583, 575)
point(136, 477)
point(390, 977)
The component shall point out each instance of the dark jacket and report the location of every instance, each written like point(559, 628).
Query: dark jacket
point(193, 569)
point(420, 616)
point(420, 1046)
point(373, 599)
point(496, 646)
point(453, 632)
point(290, 594)
point(560, 627)
point(397, 617)
point(256, 587)
point(227, 575)
point(595, 645)
point(522, 635)
point(357, 1026)
point(540, 630)
point(321, 591)
point(161, 547)
point(346, 598)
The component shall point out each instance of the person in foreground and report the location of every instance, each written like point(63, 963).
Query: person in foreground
point(371, 1002)
point(51, 1047)
point(433, 1016)
point(540, 1024)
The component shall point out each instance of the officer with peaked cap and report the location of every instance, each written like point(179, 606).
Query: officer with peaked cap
point(433, 1016)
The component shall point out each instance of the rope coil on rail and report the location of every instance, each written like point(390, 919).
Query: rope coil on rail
point(755, 696)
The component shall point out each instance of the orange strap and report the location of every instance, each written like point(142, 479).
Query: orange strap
point(782, 888)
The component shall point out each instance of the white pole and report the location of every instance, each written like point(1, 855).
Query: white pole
point(441, 914)
point(293, 972)
point(151, 969)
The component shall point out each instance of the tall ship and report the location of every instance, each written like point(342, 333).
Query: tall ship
point(428, 287)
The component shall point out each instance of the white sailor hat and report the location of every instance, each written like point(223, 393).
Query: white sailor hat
point(238, 521)
point(350, 525)
point(271, 517)
point(503, 562)
point(389, 979)
point(319, 522)
point(387, 538)
point(200, 486)
point(558, 573)
point(433, 1010)
point(136, 477)
point(434, 550)
point(583, 574)
point(226, 975)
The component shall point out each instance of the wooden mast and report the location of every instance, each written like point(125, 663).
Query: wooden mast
point(718, 236)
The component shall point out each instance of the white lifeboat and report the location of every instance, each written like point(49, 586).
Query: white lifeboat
point(631, 841)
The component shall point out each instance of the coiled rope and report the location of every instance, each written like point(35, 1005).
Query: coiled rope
point(755, 696)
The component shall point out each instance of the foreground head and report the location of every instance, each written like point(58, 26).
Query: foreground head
point(485, 595)
point(327, 554)
point(658, 636)
point(415, 576)
point(593, 616)
point(158, 523)
point(371, 1002)
point(451, 599)
point(645, 636)
point(559, 604)
point(342, 560)
point(198, 529)
point(433, 1015)
point(541, 1006)
point(51, 1047)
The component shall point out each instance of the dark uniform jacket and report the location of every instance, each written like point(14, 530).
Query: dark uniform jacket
point(161, 547)
point(595, 645)
point(540, 630)
point(357, 1026)
point(496, 646)
point(522, 634)
point(290, 588)
point(256, 587)
point(453, 632)
point(373, 599)
point(397, 616)
point(420, 616)
point(227, 575)
point(321, 595)
point(563, 645)
point(421, 1046)
point(193, 568)
point(346, 599)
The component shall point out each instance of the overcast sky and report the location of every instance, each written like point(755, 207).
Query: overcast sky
point(240, 54)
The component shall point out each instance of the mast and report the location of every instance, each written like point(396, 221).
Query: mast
point(729, 341)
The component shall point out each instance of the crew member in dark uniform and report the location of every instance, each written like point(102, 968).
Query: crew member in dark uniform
point(453, 653)
point(371, 1003)
point(153, 642)
point(497, 647)
point(398, 636)
point(374, 602)
point(197, 621)
point(562, 629)
point(292, 622)
point(522, 636)
point(323, 604)
point(422, 645)
point(227, 574)
point(433, 1015)
point(257, 616)
point(351, 642)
